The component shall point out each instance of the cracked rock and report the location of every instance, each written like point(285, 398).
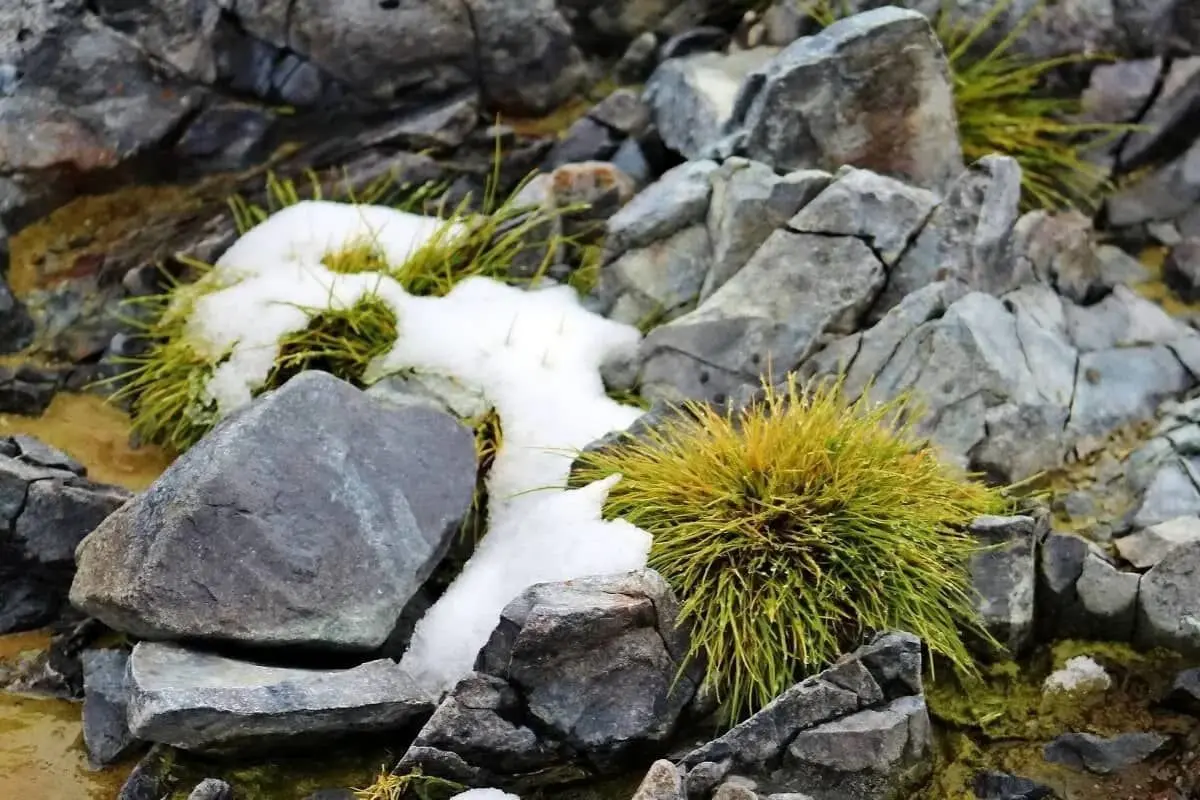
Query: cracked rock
point(1060, 564)
point(210, 704)
point(267, 531)
point(871, 91)
point(1151, 545)
point(1004, 576)
point(105, 703)
point(577, 678)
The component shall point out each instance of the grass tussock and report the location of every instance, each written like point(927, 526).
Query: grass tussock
point(793, 527)
point(165, 384)
point(1003, 106)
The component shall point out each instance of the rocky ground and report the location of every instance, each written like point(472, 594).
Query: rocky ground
point(760, 202)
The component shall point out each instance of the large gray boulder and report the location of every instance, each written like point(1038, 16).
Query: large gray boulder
point(1168, 602)
point(577, 678)
point(309, 518)
point(207, 703)
point(871, 91)
point(858, 729)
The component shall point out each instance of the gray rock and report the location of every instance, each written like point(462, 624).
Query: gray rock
point(1116, 266)
point(1185, 692)
point(1085, 751)
point(736, 788)
point(704, 777)
point(211, 789)
point(969, 236)
point(1122, 385)
point(1120, 92)
point(870, 91)
point(1059, 249)
point(105, 703)
point(1181, 270)
point(1176, 101)
point(749, 202)
point(1060, 564)
point(267, 531)
point(1151, 545)
point(638, 61)
point(662, 782)
point(765, 320)
point(1168, 192)
point(1169, 602)
point(207, 703)
point(1170, 492)
point(39, 454)
point(693, 98)
point(871, 754)
point(1004, 577)
point(1122, 319)
point(1002, 786)
point(623, 111)
point(228, 136)
point(585, 140)
point(579, 675)
point(894, 661)
point(659, 282)
point(883, 212)
point(675, 201)
point(1108, 602)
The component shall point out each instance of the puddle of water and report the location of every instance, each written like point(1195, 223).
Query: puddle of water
point(96, 434)
point(41, 748)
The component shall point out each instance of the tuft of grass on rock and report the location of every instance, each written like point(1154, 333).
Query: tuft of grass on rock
point(795, 526)
point(390, 786)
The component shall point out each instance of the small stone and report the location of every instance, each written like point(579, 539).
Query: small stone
point(662, 782)
point(623, 111)
point(676, 200)
point(1108, 601)
point(1080, 674)
point(1151, 545)
point(1169, 602)
point(1002, 786)
point(585, 140)
point(1181, 270)
point(638, 60)
point(1185, 692)
point(733, 789)
point(704, 777)
point(1101, 756)
point(211, 789)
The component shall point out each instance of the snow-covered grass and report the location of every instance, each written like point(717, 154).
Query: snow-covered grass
point(533, 355)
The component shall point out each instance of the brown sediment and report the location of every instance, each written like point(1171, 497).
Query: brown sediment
point(96, 434)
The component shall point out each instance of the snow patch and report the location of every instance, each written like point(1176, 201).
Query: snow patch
point(485, 794)
point(534, 356)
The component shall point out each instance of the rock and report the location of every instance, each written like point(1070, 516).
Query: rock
point(1175, 102)
point(638, 60)
point(736, 788)
point(211, 789)
point(1122, 319)
point(1151, 545)
point(585, 140)
point(151, 778)
point(749, 202)
point(1168, 493)
point(1108, 600)
point(16, 326)
point(1003, 577)
point(871, 754)
point(1169, 602)
point(662, 782)
point(692, 98)
point(658, 283)
point(1060, 564)
point(44, 513)
point(623, 112)
point(1002, 786)
point(276, 533)
point(1185, 692)
point(1080, 674)
point(577, 678)
point(207, 703)
point(675, 201)
point(1059, 250)
point(105, 702)
point(706, 38)
point(1120, 92)
point(882, 212)
point(441, 126)
point(1085, 751)
point(1168, 192)
point(870, 91)
point(1181, 270)
point(704, 777)
point(630, 158)
point(969, 236)
point(765, 320)
point(227, 136)
point(614, 21)
point(1116, 266)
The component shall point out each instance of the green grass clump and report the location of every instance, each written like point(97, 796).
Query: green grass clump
point(793, 527)
point(390, 786)
point(1003, 107)
point(342, 342)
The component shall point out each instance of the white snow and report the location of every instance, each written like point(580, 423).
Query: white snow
point(485, 794)
point(533, 355)
point(1079, 674)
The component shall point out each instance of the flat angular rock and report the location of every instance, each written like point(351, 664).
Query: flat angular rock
point(206, 703)
point(1108, 601)
point(657, 283)
point(310, 519)
point(675, 201)
point(692, 98)
point(1060, 563)
point(768, 317)
point(105, 704)
point(1168, 192)
point(1151, 545)
point(1101, 756)
point(1169, 602)
point(1122, 385)
point(1181, 270)
point(1169, 492)
point(871, 91)
point(1004, 577)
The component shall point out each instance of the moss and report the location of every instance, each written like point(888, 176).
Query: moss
point(560, 120)
point(287, 778)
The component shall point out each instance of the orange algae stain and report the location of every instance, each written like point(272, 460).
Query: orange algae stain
point(96, 434)
point(41, 748)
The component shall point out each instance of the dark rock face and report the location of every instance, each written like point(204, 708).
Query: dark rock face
point(1004, 578)
point(859, 729)
point(1002, 786)
point(46, 509)
point(577, 678)
point(334, 491)
point(105, 703)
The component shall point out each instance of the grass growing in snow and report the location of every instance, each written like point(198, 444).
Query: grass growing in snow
point(1002, 107)
point(794, 526)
